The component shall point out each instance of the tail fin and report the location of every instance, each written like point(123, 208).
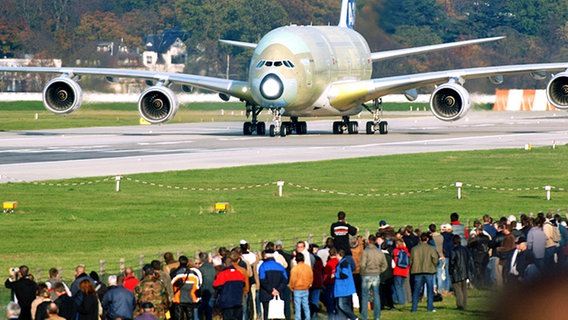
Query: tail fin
point(347, 18)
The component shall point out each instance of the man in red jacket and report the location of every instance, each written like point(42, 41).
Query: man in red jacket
point(230, 284)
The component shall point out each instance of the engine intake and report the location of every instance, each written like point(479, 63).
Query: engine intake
point(450, 102)
point(557, 91)
point(62, 95)
point(157, 104)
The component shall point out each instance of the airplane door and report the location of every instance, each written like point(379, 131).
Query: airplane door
point(308, 67)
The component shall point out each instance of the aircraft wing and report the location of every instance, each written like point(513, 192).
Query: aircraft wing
point(238, 89)
point(377, 56)
point(361, 91)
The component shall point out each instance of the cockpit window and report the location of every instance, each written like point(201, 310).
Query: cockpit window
point(279, 63)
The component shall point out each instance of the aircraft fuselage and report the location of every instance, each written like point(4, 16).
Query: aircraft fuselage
point(294, 67)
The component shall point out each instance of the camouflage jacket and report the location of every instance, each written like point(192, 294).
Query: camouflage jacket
point(152, 289)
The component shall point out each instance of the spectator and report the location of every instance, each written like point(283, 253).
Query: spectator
point(536, 242)
point(488, 226)
point(329, 283)
point(340, 232)
point(130, 280)
point(461, 270)
point(187, 283)
point(41, 302)
point(80, 275)
point(13, 310)
point(458, 228)
point(438, 241)
point(230, 284)
point(170, 264)
point(479, 243)
point(273, 279)
point(423, 262)
point(24, 289)
point(89, 307)
point(53, 312)
point(344, 287)
point(301, 279)
point(66, 305)
point(208, 276)
point(400, 272)
point(118, 302)
point(373, 263)
point(317, 284)
point(152, 289)
point(148, 312)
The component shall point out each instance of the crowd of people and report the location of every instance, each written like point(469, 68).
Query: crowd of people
point(381, 271)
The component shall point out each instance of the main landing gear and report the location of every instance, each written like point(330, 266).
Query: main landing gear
point(283, 128)
point(377, 124)
point(250, 127)
point(351, 127)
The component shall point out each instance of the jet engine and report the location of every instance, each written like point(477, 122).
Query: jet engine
point(62, 95)
point(557, 91)
point(449, 102)
point(157, 104)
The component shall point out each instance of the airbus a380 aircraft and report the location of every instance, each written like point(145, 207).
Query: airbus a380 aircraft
point(305, 71)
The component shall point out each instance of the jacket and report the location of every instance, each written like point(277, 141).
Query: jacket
point(119, 302)
point(301, 277)
point(230, 283)
point(461, 264)
point(423, 259)
point(271, 275)
point(344, 283)
point(187, 285)
point(373, 261)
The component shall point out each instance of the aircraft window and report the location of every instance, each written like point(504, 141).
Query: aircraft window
point(287, 64)
point(278, 63)
point(291, 64)
point(268, 63)
point(260, 64)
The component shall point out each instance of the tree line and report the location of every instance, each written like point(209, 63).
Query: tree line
point(536, 31)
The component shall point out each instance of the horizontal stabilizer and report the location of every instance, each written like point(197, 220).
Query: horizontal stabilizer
point(239, 43)
point(376, 56)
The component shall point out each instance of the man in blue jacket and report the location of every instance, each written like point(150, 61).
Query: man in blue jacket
point(344, 287)
point(273, 280)
point(118, 302)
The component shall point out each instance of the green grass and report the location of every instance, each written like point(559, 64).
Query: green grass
point(31, 115)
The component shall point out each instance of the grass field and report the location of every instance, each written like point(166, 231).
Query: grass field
point(63, 223)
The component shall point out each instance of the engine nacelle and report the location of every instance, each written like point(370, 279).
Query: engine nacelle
point(557, 91)
point(449, 102)
point(62, 95)
point(158, 104)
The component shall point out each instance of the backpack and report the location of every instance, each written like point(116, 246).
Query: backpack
point(402, 260)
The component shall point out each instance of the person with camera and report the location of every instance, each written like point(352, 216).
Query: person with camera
point(23, 290)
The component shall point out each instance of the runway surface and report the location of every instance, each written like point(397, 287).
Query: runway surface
point(108, 151)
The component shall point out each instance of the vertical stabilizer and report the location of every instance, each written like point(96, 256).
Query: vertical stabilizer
point(347, 18)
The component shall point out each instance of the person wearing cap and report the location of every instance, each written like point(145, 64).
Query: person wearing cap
point(118, 302)
point(340, 231)
point(273, 280)
point(147, 312)
point(520, 261)
point(152, 289)
point(247, 254)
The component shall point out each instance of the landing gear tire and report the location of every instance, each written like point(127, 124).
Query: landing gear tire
point(353, 127)
point(247, 128)
point(261, 128)
point(370, 127)
point(383, 127)
point(337, 127)
point(272, 130)
point(302, 127)
point(283, 130)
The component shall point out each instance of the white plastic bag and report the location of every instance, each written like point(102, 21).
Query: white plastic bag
point(355, 299)
point(276, 308)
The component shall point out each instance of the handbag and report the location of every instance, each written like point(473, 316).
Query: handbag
point(355, 301)
point(276, 308)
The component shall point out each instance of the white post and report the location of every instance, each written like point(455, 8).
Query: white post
point(117, 183)
point(280, 185)
point(553, 144)
point(459, 185)
point(548, 188)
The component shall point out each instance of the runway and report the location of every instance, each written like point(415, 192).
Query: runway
point(108, 151)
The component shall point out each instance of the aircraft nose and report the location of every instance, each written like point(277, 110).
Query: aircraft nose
point(271, 87)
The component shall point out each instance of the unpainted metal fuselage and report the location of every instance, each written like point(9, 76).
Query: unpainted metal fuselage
point(295, 67)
